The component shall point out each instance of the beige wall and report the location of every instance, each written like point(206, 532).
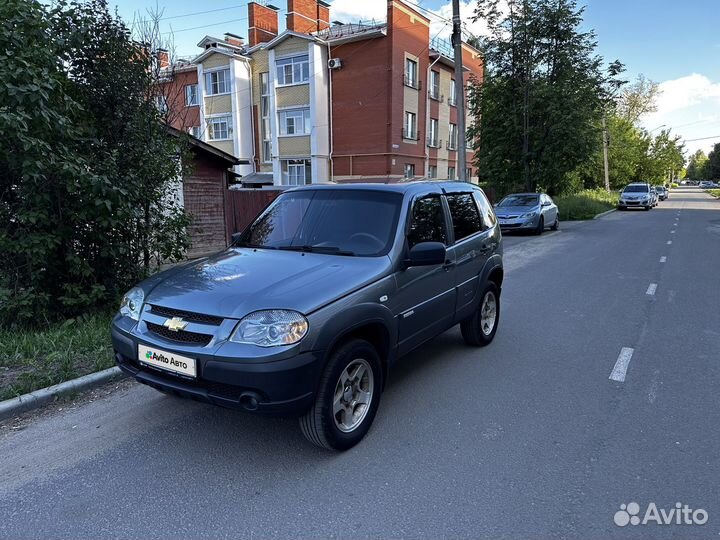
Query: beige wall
point(287, 96)
point(294, 146)
point(218, 104)
point(215, 60)
point(291, 45)
point(226, 146)
point(260, 64)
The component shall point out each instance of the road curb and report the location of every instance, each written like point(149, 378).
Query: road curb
point(605, 213)
point(38, 398)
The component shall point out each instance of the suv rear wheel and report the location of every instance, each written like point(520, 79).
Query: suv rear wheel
point(347, 399)
point(479, 329)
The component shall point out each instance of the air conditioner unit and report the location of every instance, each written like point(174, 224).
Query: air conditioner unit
point(334, 63)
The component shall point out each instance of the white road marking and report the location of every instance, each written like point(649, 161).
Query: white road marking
point(672, 232)
point(651, 289)
point(669, 242)
point(621, 365)
point(663, 259)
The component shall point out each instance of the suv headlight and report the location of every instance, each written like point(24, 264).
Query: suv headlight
point(132, 303)
point(271, 328)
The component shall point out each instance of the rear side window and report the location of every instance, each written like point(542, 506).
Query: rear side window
point(465, 215)
point(486, 211)
point(428, 222)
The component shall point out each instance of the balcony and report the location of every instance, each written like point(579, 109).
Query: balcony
point(434, 94)
point(434, 142)
point(412, 82)
point(409, 134)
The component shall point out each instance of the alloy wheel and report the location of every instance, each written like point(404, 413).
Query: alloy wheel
point(353, 395)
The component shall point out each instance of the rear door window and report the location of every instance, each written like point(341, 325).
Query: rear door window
point(486, 211)
point(465, 215)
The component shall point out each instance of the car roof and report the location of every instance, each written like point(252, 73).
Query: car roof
point(413, 187)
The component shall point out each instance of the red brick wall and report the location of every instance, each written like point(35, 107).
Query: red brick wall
point(262, 23)
point(302, 16)
point(323, 17)
point(180, 116)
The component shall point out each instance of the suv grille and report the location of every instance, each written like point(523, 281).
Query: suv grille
point(181, 337)
point(187, 315)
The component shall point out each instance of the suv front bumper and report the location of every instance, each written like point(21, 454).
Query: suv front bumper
point(283, 386)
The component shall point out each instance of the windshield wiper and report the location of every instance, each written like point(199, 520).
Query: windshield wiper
point(330, 250)
point(252, 246)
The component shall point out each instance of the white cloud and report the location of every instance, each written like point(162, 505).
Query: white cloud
point(689, 105)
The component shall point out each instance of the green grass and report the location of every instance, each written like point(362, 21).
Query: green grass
point(714, 192)
point(35, 358)
point(586, 204)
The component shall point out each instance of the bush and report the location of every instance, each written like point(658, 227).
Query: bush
point(674, 185)
point(585, 204)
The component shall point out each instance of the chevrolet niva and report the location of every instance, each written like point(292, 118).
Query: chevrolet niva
point(313, 303)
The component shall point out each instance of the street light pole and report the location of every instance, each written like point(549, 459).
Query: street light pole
point(461, 143)
point(605, 153)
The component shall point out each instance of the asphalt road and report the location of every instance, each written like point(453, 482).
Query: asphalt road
point(527, 438)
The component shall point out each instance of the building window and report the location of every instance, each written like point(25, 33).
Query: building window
point(411, 74)
point(432, 171)
point(452, 137)
point(161, 104)
point(410, 129)
point(296, 172)
point(433, 136)
point(295, 122)
point(409, 170)
point(468, 174)
point(451, 173)
point(191, 95)
point(452, 101)
point(265, 117)
point(195, 131)
point(217, 82)
point(295, 70)
point(219, 128)
point(434, 90)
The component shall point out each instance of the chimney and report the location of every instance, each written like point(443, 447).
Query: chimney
point(262, 23)
point(234, 39)
point(323, 15)
point(302, 16)
point(163, 58)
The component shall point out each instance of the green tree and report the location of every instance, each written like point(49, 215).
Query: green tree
point(665, 158)
point(712, 166)
point(638, 99)
point(541, 99)
point(86, 179)
point(697, 166)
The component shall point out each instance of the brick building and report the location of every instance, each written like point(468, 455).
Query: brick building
point(321, 102)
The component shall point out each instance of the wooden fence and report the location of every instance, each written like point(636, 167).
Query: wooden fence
point(243, 205)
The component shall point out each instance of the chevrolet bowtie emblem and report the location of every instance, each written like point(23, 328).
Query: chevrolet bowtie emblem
point(175, 324)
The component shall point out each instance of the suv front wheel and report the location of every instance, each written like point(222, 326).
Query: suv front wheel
point(479, 329)
point(347, 399)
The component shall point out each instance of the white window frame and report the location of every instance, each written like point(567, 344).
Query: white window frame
point(434, 133)
point(432, 171)
point(211, 85)
point(451, 175)
point(452, 136)
point(211, 121)
point(299, 115)
point(295, 172)
point(409, 170)
point(299, 72)
point(161, 103)
point(434, 84)
point(453, 94)
point(265, 118)
point(195, 131)
point(411, 125)
point(191, 91)
point(411, 73)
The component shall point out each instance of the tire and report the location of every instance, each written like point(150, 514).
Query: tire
point(648, 208)
point(556, 225)
point(327, 430)
point(540, 227)
point(472, 327)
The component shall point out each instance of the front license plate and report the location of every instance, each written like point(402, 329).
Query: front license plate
point(167, 361)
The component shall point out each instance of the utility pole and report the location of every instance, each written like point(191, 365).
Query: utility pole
point(605, 153)
point(459, 93)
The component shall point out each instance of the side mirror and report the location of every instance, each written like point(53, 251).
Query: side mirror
point(546, 203)
point(427, 254)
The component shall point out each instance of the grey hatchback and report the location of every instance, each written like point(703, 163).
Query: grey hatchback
point(307, 311)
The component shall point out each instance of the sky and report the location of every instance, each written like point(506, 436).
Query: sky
point(675, 43)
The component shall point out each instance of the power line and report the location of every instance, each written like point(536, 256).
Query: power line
point(191, 14)
point(703, 138)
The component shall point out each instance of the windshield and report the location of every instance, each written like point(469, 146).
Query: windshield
point(342, 222)
point(520, 200)
point(636, 189)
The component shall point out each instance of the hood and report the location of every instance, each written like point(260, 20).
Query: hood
point(514, 210)
point(242, 280)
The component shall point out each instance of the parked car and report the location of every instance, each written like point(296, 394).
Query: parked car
point(527, 212)
point(636, 195)
point(314, 302)
point(705, 184)
point(655, 196)
point(662, 192)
